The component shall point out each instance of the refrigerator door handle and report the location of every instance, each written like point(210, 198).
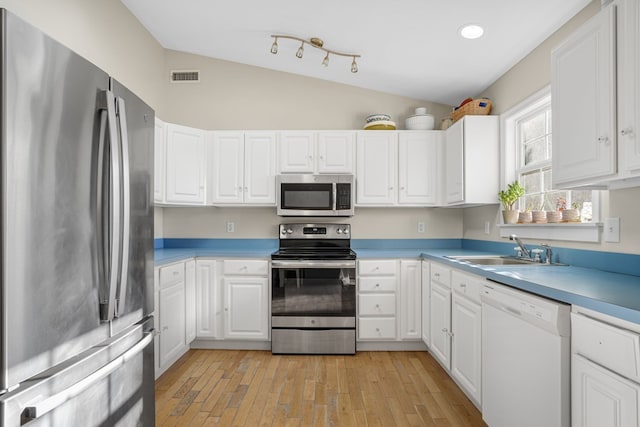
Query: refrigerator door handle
point(32, 412)
point(126, 206)
point(113, 257)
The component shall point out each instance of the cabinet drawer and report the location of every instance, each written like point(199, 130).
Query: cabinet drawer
point(614, 348)
point(377, 305)
point(377, 284)
point(253, 267)
point(377, 267)
point(377, 328)
point(441, 274)
point(171, 274)
point(467, 285)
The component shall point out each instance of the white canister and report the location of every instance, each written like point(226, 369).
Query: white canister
point(421, 110)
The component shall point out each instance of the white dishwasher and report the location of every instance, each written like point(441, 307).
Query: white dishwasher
point(525, 359)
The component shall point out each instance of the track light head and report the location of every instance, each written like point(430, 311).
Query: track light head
point(300, 51)
point(325, 61)
point(354, 66)
point(274, 46)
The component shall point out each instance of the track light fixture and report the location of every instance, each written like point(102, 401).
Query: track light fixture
point(318, 44)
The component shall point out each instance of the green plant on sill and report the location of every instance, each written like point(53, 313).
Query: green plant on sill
point(511, 195)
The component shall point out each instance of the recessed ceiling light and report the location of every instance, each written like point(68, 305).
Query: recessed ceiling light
point(471, 31)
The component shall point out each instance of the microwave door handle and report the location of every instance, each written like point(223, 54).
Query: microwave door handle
point(335, 195)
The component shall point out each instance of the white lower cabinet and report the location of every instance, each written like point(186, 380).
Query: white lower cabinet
point(456, 333)
point(190, 300)
point(605, 370)
point(207, 311)
point(171, 336)
point(466, 327)
point(246, 299)
point(389, 304)
point(426, 298)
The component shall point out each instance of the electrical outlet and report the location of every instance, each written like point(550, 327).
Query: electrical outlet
point(612, 230)
point(421, 227)
point(487, 227)
point(231, 227)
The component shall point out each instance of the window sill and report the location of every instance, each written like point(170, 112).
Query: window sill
point(577, 232)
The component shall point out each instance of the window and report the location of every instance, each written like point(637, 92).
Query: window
point(527, 148)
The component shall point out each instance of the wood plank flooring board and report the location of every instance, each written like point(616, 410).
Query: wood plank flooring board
point(256, 388)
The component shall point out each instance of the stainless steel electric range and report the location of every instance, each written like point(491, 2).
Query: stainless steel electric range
point(313, 297)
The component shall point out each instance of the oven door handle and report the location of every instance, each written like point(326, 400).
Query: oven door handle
point(313, 264)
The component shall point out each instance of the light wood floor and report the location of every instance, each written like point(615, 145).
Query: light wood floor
point(255, 388)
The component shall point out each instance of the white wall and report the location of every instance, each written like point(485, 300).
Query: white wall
point(105, 33)
point(262, 223)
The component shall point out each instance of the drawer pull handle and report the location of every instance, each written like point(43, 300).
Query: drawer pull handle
point(437, 275)
point(377, 305)
point(463, 285)
point(377, 329)
point(377, 285)
point(444, 329)
point(175, 273)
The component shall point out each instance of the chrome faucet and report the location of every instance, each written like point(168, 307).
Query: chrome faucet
point(547, 259)
point(523, 248)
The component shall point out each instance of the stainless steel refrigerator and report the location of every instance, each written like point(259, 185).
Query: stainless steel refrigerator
point(76, 255)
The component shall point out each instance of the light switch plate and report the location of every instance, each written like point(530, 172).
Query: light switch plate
point(612, 230)
point(487, 227)
point(231, 227)
point(421, 227)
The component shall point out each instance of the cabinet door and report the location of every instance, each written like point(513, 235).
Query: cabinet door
point(584, 103)
point(159, 161)
point(190, 300)
point(172, 324)
point(206, 301)
point(426, 298)
point(156, 322)
point(246, 308)
point(259, 168)
point(628, 88)
point(376, 157)
point(297, 152)
point(601, 398)
point(417, 167)
point(185, 164)
point(441, 324)
point(454, 161)
point(410, 299)
point(335, 152)
point(466, 318)
point(227, 168)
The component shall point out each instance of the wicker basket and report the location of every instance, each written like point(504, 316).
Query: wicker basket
point(477, 107)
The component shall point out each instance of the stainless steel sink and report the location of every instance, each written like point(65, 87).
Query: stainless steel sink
point(497, 260)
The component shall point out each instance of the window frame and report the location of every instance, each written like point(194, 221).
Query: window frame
point(510, 168)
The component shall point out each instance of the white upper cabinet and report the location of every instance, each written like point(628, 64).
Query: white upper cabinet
point(159, 161)
point(185, 165)
point(259, 168)
point(376, 157)
point(583, 101)
point(417, 167)
point(316, 152)
point(227, 169)
point(628, 25)
point(336, 152)
point(242, 168)
point(472, 161)
point(398, 168)
point(297, 150)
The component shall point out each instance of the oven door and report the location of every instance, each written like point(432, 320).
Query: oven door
point(313, 289)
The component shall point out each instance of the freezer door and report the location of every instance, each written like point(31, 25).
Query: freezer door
point(110, 385)
point(50, 252)
point(135, 291)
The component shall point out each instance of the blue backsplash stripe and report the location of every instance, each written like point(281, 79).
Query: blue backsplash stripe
point(406, 244)
point(231, 244)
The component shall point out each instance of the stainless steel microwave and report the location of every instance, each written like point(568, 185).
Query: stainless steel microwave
point(315, 195)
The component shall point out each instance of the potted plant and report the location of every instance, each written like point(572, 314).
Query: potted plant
point(508, 198)
point(573, 214)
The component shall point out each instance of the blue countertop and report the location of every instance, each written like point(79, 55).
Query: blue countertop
point(610, 293)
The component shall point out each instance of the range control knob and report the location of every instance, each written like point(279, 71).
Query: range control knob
point(289, 231)
point(283, 231)
point(346, 231)
point(339, 231)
